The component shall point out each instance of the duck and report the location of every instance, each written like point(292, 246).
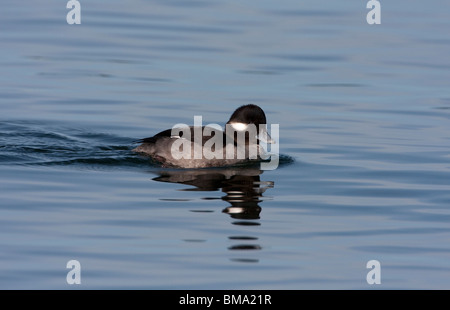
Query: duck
point(186, 146)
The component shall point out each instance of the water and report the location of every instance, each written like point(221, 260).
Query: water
point(364, 116)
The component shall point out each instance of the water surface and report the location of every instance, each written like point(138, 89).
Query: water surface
point(364, 114)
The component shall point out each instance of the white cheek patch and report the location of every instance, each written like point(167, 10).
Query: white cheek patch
point(239, 126)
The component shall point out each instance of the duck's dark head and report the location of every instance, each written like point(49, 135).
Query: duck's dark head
point(251, 114)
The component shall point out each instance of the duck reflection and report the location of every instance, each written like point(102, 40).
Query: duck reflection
point(243, 190)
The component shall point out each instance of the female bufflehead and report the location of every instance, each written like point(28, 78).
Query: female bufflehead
point(206, 146)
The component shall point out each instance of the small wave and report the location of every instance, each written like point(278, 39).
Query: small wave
point(285, 160)
point(34, 144)
point(101, 163)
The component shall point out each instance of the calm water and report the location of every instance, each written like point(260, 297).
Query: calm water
point(364, 114)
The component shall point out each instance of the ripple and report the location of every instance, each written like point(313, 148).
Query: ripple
point(337, 85)
point(400, 249)
point(38, 145)
point(242, 223)
point(310, 58)
point(309, 13)
point(245, 247)
point(244, 260)
point(242, 238)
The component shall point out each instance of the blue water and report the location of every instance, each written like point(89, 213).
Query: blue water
point(364, 115)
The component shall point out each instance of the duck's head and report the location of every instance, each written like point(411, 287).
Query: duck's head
point(251, 114)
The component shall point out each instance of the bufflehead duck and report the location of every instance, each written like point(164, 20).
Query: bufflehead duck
point(244, 130)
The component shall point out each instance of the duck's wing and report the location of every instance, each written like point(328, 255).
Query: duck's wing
point(168, 133)
point(165, 133)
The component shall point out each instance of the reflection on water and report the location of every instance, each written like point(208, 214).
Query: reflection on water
point(243, 190)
